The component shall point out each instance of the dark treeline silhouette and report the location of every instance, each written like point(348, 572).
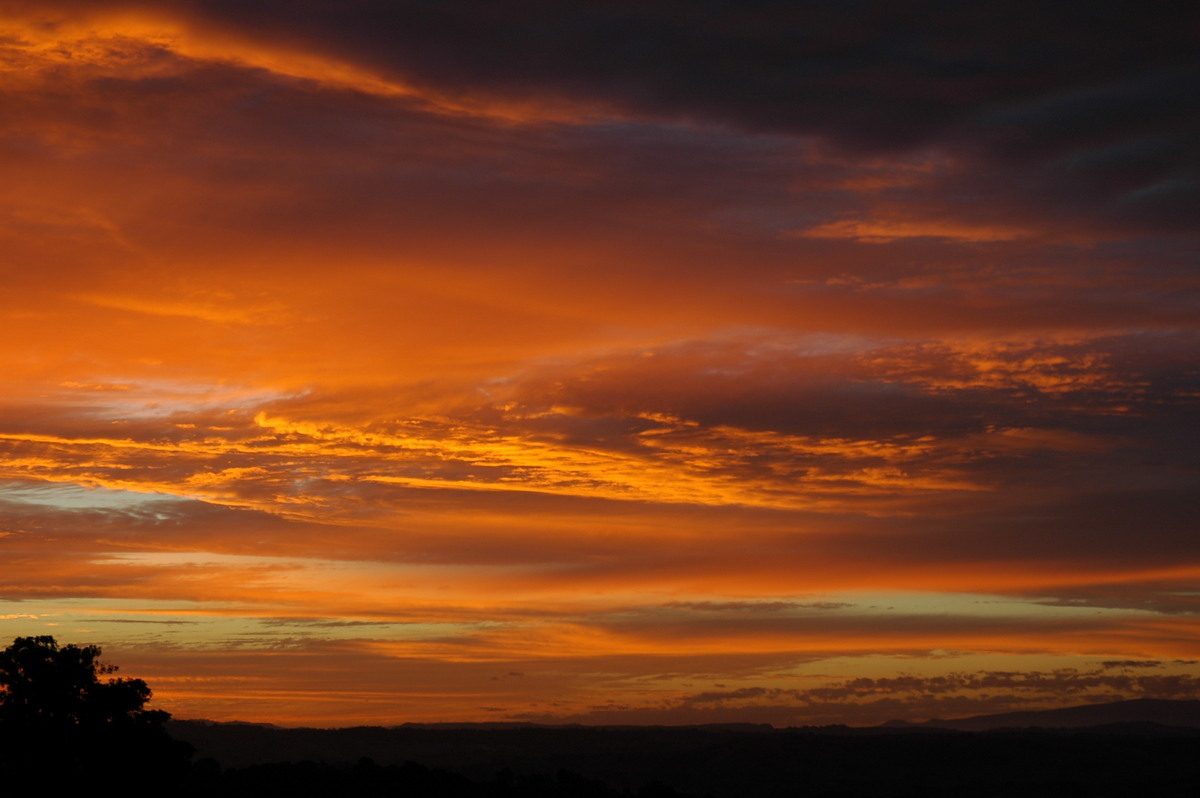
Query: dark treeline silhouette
point(411, 780)
point(67, 723)
point(513, 761)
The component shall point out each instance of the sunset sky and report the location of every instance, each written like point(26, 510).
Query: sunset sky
point(604, 362)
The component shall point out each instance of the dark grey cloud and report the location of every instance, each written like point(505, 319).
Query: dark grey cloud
point(918, 65)
point(1064, 682)
point(1089, 103)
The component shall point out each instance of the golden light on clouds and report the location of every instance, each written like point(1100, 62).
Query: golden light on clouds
point(487, 379)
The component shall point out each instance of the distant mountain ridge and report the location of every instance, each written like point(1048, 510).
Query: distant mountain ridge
point(1143, 747)
point(1164, 712)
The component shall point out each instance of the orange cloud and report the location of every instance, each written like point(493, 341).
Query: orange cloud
point(409, 375)
point(879, 231)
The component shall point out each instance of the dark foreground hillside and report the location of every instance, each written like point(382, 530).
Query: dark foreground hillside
point(656, 762)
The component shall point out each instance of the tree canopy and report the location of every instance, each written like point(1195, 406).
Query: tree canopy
point(52, 688)
point(61, 709)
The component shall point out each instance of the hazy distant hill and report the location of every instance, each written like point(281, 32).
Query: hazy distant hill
point(1104, 751)
point(1138, 711)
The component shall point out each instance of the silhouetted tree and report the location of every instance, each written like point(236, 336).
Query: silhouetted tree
point(63, 715)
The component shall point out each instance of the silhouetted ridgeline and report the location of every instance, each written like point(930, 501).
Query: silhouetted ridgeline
point(1137, 758)
point(1139, 711)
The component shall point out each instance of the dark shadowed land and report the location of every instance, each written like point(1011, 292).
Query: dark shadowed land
point(1126, 748)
